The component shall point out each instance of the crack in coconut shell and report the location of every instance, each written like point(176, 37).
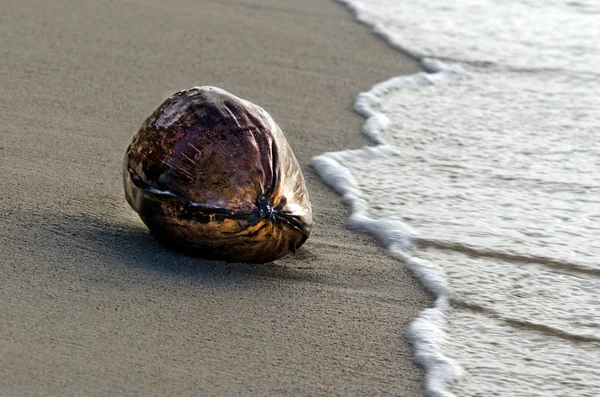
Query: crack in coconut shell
point(213, 175)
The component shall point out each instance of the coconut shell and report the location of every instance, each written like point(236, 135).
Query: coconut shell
point(213, 175)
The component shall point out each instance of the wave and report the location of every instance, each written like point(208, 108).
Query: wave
point(426, 333)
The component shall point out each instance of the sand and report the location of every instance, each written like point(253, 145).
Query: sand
point(89, 303)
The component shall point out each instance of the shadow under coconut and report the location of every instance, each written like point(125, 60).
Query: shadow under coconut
point(135, 247)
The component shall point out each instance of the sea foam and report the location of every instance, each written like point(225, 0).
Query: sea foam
point(426, 334)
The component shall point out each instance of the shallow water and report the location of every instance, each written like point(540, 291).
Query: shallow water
point(495, 174)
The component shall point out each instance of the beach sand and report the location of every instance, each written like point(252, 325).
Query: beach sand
point(89, 303)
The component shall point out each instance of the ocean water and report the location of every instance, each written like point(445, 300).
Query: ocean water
point(485, 180)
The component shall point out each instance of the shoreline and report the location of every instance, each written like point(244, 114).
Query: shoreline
point(92, 304)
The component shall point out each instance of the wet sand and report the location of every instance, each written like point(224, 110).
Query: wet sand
point(89, 303)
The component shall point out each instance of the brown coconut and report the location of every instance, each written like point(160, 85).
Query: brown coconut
point(213, 175)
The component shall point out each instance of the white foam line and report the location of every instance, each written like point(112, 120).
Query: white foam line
point(426, 333)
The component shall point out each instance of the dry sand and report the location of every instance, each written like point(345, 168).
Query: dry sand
point(89, 303)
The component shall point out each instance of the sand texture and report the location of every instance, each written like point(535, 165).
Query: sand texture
point(90, 305)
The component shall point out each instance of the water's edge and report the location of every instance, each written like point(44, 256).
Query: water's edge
point(426, 333)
